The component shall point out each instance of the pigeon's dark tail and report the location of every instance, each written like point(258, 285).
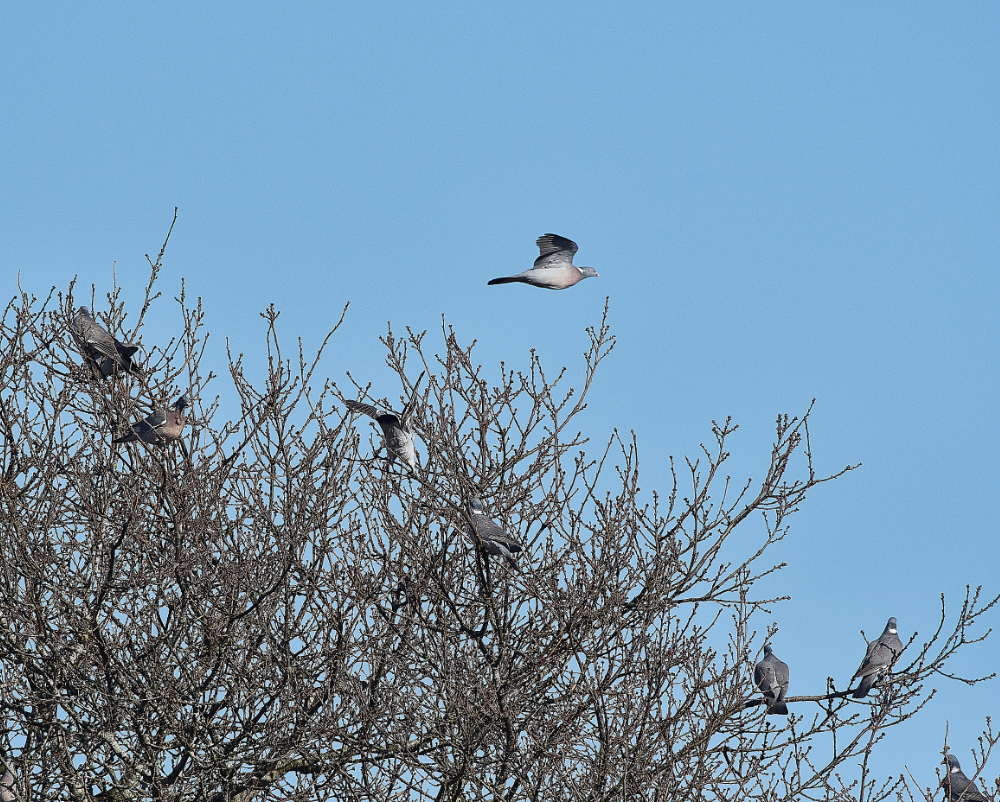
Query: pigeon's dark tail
point(504, 280)
point(864, 687)
point(778, 709)
point(507, 555)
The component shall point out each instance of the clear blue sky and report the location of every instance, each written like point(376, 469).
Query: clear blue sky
point(784, 201)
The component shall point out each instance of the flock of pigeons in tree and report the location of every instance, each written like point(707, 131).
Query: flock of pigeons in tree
point(553, 270)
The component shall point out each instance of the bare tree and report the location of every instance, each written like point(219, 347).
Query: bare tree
point(279, 611)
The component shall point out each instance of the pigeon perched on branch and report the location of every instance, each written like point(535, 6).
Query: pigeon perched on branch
point(554, 268)
point(159, 428)
point(771, 676)
point(396, 429)
point(104, 352)
point(7, 790)
point(881, 654)
point(957, 786)
point(494, 540)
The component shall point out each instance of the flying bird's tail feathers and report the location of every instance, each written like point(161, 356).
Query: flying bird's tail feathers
point(505, 280)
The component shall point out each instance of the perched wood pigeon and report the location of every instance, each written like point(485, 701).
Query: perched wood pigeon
point(395, 428)
point(7, 790)
point(771, 676)
point(957, 786)
point(494, 540)
point(105, 353)
point(159, 428)
point(881, 654)
point(554, 269)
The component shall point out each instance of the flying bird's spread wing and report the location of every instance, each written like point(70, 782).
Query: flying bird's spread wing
point(555, 251)
point(372, 412)
point(412, 403)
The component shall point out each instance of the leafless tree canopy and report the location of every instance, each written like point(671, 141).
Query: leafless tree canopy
point(270, 609)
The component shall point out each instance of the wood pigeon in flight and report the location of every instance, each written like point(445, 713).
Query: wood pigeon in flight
point(396, 429)
point(554, 268)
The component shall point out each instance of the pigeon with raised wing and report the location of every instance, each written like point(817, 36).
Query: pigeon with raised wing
point(554, 268)
point(396, 429)
point(881, 654)
point(103, 351)
point(493, 538)
point(771, 676)
point(957, 786)
point(159, 428)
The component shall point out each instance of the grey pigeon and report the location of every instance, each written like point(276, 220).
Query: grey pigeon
point(105, 353)
point(7, 790)
point(494, 540)
point(771, 676)
point(554, 268)
point(159, 428)
point(957, 786)
point(882, 653)
point(395, 428)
